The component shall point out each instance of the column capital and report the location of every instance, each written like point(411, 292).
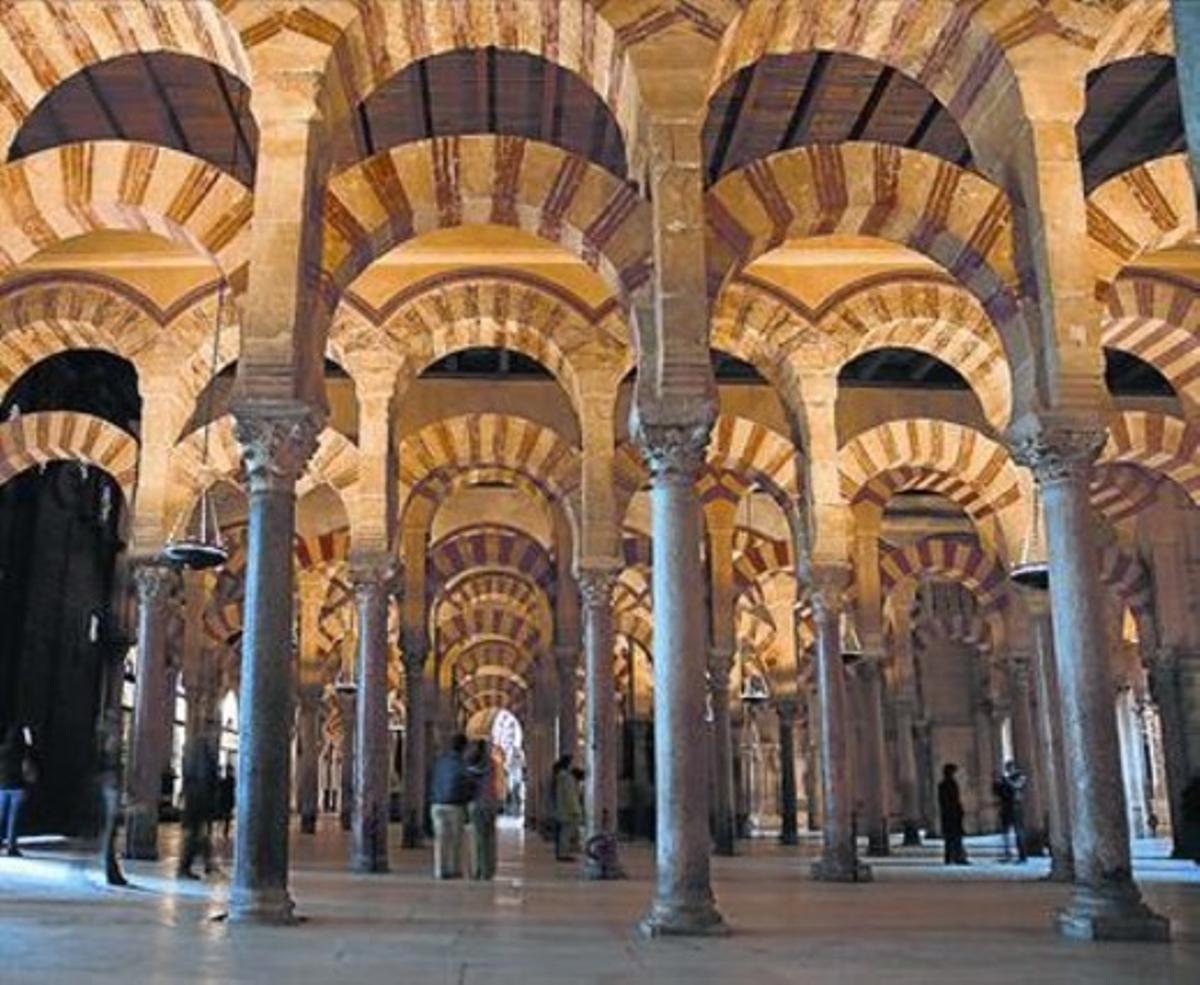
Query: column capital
point(596, 584)
point(155, 582)
point(369, 575)
point(1057, 449)
point(276, 445)
point(290, 95)
point(786, 709)
point(1019, 666)
point(827, 583)
point(720, 669)
point(674, 452)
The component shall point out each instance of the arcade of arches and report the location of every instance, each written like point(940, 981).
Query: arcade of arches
point(673, 384)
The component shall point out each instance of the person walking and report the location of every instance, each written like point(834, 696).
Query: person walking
point(226, 799)
point(108, 780)
point(951, 809)
point(568, 811)
point(481, 811)
point(1010, 795)
point(17, 771)
point(199, 805)
point(450, 792)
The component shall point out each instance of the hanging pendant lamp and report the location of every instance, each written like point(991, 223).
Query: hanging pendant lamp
point(851, 644)
point(1032, 569)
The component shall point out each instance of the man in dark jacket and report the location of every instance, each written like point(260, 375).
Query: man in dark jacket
point(16, 766)
point(950, 805)
point(450, 791)
point(199, 804)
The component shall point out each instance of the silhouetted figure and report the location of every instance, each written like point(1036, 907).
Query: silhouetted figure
point(1009, 789)
point(108, 781)
point(568, 811)
point(199, 805)
point(226, 799)
point(951, 809)
point(481, 811)
point(17, 771)
point(450, 791)
point(1189, 838)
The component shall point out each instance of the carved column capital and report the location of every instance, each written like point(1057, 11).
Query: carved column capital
point(155, 583)
point(674, 452)
point(276, 447)
point(596, 586)
point(720, 669)
point(1019, 667)
point(372, 576)
point(1054, 451)
point(827, 584)
point(786, 709)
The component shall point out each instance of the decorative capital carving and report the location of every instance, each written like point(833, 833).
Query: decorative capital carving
point(1057, 450)
point(596, 586)
point(720, 669)
point(155, 583)
point(276, 447)
point(827, 584)
point(674, 452)
point(372, 576)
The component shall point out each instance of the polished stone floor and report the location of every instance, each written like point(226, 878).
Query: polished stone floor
point(538, 922)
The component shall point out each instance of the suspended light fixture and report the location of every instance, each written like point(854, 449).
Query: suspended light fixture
point(852, 647)
point(1032, 569)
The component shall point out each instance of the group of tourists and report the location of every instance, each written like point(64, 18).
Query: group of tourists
point(1009, 790)
point(467, 790)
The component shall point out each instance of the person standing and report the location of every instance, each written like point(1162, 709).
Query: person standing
point(16, 773)
point(568, 811)
point(199, 805)
point(108, 779)
point(1010, 793)
point(950, 806)
point(481, 812)
point(450, 792)
point(226, 798)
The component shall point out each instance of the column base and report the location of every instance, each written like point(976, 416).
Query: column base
point(596, 870)
point(308, 824)
point(839, 868)
point(141, 835)
point(1118, 914)
point(369, 863)
point(411, 838)
point(789, 837)
point(1062, 868)
point(347, 820)
point(879, 847)
point(912, 835)
point(667, 919)
point(270, 907)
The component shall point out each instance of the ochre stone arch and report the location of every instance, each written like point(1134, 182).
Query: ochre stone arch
point(441, 183)
point(1160, 443)
point(52, 436)
point(962, 559)
point(69, 191)
point(493, 546)
point(958, 462)
point(1147, 208)
point(45, 42)
point(1120, 490)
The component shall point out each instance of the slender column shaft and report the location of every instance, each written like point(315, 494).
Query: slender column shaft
point(347, 704)
point(1025, 751)
point(1164, 688)
point(1058, 811)
point(906, 757)
point(1187, 57)
point(371, 741)
point(274, 450)
point(595, 588)
point(683, 900)
point(812, 757)
point(876, 785)
point(568, 722)
point(839, 861)
point(414, 746)
point(151, 742)
point(307, 757)
point(788, 830)
point(720, 667)
point(1105, 902)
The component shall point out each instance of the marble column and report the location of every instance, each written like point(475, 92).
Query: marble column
point(1187, 61)
point(1025, 752)
point(565, 662)
point(595, 589)
point(788, 828)
point(1165, 692)
point(839, 855)
point(414, 745)
point(906, 762)
point(347, 699)
point(151, 743)
point(308, 756)
point(812, 759)
point(372, 766)
point(720, 667)
point(274, 451)
point(875, 765)
point(1050, 739)
point(986, 766)
point(683, 899)
point(1105, 902)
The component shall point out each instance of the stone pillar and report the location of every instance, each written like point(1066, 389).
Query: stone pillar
point(839, 857)
point(906, 761)
point(596, 588)
point(720, 667)
point(565, 662)
point(372, 586)
point(308, 756)
point(1025, 751)
point(274, 451)
point(788, 829)
point(347, 700)
point(876, 785)
point(1049, 723)
point(1105, 902)
point(927, 773)
point(150, 745)
point(414, 745)
point(812, 760)
point(683, 900)
point(1187, 61)
point(986, 767)
point(1165, 692)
